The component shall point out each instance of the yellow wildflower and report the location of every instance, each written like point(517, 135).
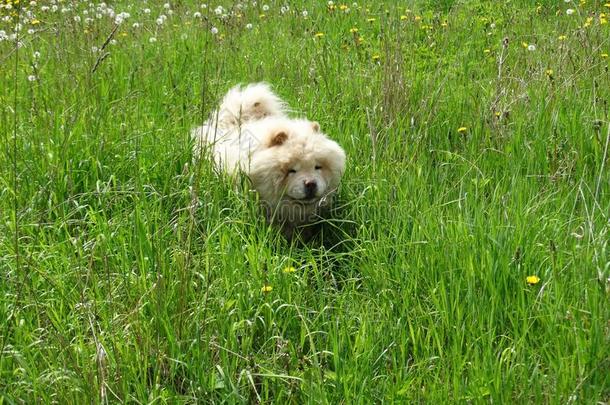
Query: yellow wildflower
point(342, 7)
point(353, 30)
point(376, 57)
point(371, 19)
point(461, 130)
point(532, 280)
point(562, 37)
point(549, 72)
point(319, 35)
point(266, 288)
point(35, 21)
point(524, 44)
point(486, 50)
point(604, 55)
point(289, 269)
point(403, 17)
point(417, 18)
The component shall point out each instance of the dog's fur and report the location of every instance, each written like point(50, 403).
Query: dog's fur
point(292, 165)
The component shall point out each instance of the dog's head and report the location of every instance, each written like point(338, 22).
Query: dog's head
point(296, 165)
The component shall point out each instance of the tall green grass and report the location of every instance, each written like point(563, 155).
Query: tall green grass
point(128, 273)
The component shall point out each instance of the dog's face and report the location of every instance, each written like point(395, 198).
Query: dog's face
point(296, 165)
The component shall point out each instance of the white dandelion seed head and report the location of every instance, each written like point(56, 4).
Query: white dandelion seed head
point(113, 42)
point(183, 37)
point(531, 47)
point(44, 8)
point(248, 26)
point(152, 40)
point(214, 30)
point(31, 78)
point(331, 3)
point(77, 18)
point(160, 21)
point(36, 55)
point(570, 11)
point(136, 25)
point(218, 10)
point(284, 9)
point(33, 3)
point(170, 12)
point(265, 7)
point(94, 49)
point(204, 6)
point(146, 11)
point(304, 13)
point(197, 14)
point(54, 8)
point(166, 6)
point(31, 31)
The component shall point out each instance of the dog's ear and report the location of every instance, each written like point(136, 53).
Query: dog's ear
point(278, 139)
point(315, 125)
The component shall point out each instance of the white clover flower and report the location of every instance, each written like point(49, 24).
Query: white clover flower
point(197, 14)
point(152, 40)
point(146, 11)
point(265, 7)
point(304, 13)
point(248, 26)
point(531, 47)
point(31, 78)
point(570, 11)
point(214, 30)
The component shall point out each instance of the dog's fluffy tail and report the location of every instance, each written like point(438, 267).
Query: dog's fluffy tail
point(250, 103)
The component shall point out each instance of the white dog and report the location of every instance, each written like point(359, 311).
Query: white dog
point(292, 165)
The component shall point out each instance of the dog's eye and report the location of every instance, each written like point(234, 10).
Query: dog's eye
point(291, 171)
point(318, 167)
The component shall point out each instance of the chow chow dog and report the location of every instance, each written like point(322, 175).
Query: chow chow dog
point(291, 163)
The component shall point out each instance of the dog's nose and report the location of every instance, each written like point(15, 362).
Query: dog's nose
point(310, 188)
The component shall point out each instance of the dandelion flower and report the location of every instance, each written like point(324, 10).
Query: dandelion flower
point(532, 280)
point(604, 55)
point(289, 269)
point(486, 50)
point(267, 288)
point(562, 37)
point(35, 22)
point(353, 30)
point(461, 130)
point(403, 17)
point(376, 57)
point(549, 72)
point(319, 35)
point(371, 19)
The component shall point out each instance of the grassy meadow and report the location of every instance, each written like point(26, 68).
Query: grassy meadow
point(466, 258)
